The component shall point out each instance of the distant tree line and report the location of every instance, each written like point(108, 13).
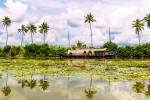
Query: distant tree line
point(128, 51)
point(44, 50)
point(32, 50)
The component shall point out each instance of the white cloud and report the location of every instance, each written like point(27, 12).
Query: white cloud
point(115, 14)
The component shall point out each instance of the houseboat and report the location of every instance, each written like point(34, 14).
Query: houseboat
point(89, 53)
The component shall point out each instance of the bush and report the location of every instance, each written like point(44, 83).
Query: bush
point(14, 51)
point(32, 50)
point(5, 51)
point(44, 50)
point(111, 47)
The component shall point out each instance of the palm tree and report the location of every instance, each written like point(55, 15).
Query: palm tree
point(44, 27)
point(147, 19)
point(90, 18)
point(6, 23)
point(139, 26)
point(32, 28)
point(23, 30)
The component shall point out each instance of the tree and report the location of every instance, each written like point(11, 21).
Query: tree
point(147, 19)
point(90, 18)
point(139, 26)
point(111, 47)
point(79, 45)
point(44, 27)
point(23, 30)
point(32, 28)
point(6, 23)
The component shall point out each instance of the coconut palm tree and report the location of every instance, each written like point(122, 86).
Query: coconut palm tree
point(147, 19)
point(32, 28)
point(44, 27)
point(139, 26)
point(23, 30)
point(90, 18)
point(6, 23)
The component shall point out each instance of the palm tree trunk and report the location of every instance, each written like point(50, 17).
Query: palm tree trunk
point(44, 37)
point(91, 35)
point(22, 38)
point(139, 38)
point(7, 36)
point(32, 37)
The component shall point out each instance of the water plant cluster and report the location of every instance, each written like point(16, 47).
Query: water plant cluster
point(107, 69)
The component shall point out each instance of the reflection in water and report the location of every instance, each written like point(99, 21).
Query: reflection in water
point(6, 90)
point(32, 83)
point(24, 83)
point(44, 84)
point(138, 87)
point(90, 93)
point(147, 93)
point(76, 88)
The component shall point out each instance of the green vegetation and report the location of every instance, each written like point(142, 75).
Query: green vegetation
point(44, 50)
point(32, 50)
point(128, 51)
point(110, 70)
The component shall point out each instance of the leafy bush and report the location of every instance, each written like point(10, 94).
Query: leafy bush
point(14, 51)
point(44, 50)
point(5, 51)
point(32, 50)
point(111, 47)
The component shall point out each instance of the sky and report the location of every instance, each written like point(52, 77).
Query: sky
point(65, 16)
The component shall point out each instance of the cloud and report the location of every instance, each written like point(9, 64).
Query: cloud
point(69, 16)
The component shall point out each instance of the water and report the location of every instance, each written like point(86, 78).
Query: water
point(42, 83)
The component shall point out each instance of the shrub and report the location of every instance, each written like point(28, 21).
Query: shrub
point(14, 51)
point(111, 47)
point(5, 51)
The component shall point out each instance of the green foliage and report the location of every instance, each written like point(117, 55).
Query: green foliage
point(79, 45)
point(44, 50)
point(14, 51)
point(111, 47)
point(128, 51)
point(5, 51)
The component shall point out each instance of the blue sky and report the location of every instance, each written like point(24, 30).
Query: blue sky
point(68, 15)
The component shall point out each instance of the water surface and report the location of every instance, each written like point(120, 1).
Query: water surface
point(30, 79)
